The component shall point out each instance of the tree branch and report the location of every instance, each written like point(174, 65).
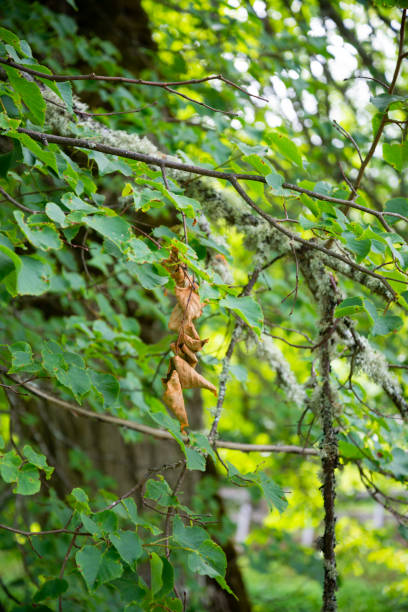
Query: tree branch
point(152, 431)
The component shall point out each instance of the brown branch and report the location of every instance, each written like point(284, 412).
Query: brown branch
point(152, 431)
point(29, 534)
point(166, 85)
point(233, 178)
point(17, 204)
point(384, 119)
point(110, 114)
point(330, 458)
point(307, 243)
point(190, 168)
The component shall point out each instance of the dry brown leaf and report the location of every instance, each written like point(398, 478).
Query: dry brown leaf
point(189, 356)
point(179, 277)
point(189, 301)
point(185, 353)
point(173, 398)
point(176, 319)
point(189, 378)
point(190, 330)
point(195, 344)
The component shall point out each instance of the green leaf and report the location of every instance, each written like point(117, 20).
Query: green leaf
point(90, 525)
point(275, 180)
point(28, 480)
point(55, 213)
point(383, 101)
point(79, 500)
point(42, 235)
point(34, 276)
point(384, 324)
point(139, 252)
point(349, 306)
point(65, 91)
point(37, 459)
point(9, 466)
point(107, 521)
point(273, 493)
point(188, 537)
point(349, 451)
point(51, 589)
point(189, 206)
point(158, 490)
point(88, 561)
point(167, 578)
point(10, 38)
point(43, 154)
point(73, 202)
point(399, 464)
point(195, 459)
point(108, 164)
point(67, 367)
point(128, 545)
point(156, 569)
point(30, 94)
point(8, 160)
point(246, 308)
point(261, 165)
point(21, 356)
point(107, 386)
point(110, 226)
point(110, 567)
point(360, 247)
point(146, 276)
point(285, 146)
point(396, 155)
point(396, 205)
point(208, 560)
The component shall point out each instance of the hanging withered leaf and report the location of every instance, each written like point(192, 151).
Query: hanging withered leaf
point(189, 378)
point(187, 309)
point(189, 302)
point(173, 398)
point(195, 344)
point(185, 353)
point(182, 373)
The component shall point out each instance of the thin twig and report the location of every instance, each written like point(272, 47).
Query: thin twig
point(17, 204)
point(168, 86)
point(190, 168)
point(383, 122)
point(154, 432)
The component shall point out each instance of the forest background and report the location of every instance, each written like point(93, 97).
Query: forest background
point(204, 207)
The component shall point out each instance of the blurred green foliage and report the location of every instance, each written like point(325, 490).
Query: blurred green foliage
point(86, 301)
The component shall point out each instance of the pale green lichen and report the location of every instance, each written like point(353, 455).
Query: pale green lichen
point(268, 351)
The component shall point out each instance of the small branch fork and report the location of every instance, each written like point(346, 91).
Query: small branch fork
point(384, 120)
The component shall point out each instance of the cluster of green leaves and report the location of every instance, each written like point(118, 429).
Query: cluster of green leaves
point(84, 321)
point(93, 360)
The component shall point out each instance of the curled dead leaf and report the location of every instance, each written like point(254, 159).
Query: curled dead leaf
point(189, 355)
point(194, 344)
point(190, 330)
point(173, 398)
point(185, 353)
point(176, 319)
point(189, 301)
point(189, 378)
